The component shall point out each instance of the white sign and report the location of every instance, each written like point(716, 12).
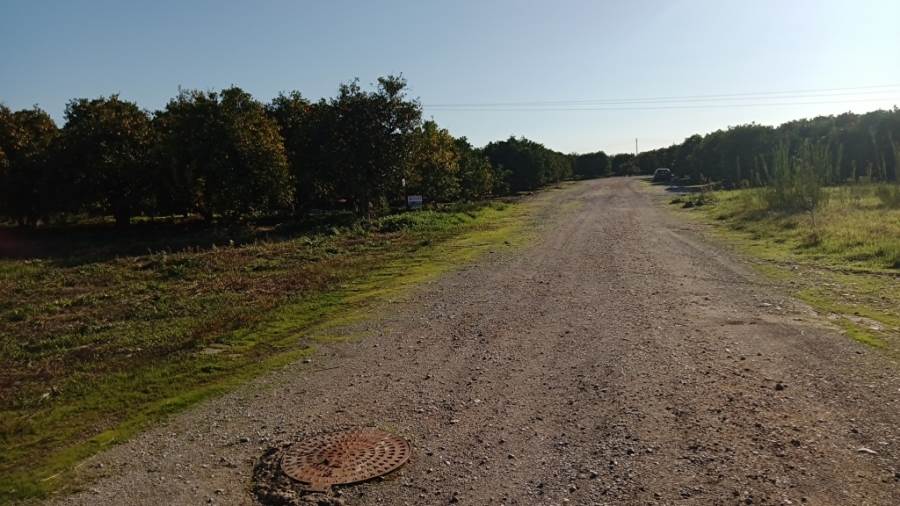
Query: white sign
point(414, 201)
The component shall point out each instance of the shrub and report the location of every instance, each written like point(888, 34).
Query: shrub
point(889, 195)
point(796, 186)
point(698, 199)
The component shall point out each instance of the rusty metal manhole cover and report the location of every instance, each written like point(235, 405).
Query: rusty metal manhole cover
point(344, 457)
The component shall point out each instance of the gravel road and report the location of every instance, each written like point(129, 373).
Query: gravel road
point(618, 359)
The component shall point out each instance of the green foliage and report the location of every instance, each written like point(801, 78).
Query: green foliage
point(225, 154)
point(530, 165)
point(4, 166)
point(434, 169)
point(797, 182)
point(592, 165)
point(697, 199)
point(849, 272)
point(221, 154)
point(184, 151)
point(850, 229)
point(729, 155)
point(104, 151)
point(122, 341)
point(862, 147)
point(306, 128)
point(889, 195)
point(250, 175)
point(478, 179)
point(623, 164)
point(371, 142)
point(26, 138)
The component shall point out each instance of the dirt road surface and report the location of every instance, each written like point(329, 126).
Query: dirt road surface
point(618, 359)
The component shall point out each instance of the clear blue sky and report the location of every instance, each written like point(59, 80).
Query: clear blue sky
point(460, 52)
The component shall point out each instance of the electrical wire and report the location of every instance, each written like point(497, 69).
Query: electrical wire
point(895, 99)
point(680, 101)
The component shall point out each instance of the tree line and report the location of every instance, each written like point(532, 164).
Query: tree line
point(225, 155)
point(848, 147)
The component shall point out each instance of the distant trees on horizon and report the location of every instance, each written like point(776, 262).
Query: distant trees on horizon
point(855, 147)
point(226, 155)
point(229, 156)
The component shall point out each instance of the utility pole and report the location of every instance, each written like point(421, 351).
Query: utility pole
point(635, 147)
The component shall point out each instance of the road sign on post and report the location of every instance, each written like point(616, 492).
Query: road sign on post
point(414, 201)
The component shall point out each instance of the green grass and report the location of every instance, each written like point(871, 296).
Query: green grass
point(854, 229)
point(95, 350)
point(844, 261)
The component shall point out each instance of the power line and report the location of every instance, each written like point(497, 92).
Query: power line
point(661, 107)
point(810, 93)
point(687, 99)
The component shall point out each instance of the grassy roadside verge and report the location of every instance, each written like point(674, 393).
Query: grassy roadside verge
point(95, 350)
point(844, 262)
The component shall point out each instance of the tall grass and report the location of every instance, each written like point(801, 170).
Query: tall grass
point(889, 195)
point(99, 348)
point(797, 184)
point(856, 225)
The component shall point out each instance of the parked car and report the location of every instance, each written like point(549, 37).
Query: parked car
point(662, 175)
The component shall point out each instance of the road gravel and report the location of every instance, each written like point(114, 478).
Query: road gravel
point(620, 358)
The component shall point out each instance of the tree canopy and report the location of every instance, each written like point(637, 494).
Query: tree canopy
point(530, 165)
point(858, 146)
point(224, 155)
point(104, 152)
point(221, 154)
point(26, 138)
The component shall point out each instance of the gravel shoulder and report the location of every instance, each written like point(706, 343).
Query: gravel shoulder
point(619, 359)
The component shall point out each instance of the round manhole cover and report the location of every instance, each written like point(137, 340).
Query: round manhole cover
point(345, 457)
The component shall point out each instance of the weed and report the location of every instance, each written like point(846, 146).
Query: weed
point(95, 349)
point(796, 185)
point(889, 195)
point(845, 266)
point(856, 232)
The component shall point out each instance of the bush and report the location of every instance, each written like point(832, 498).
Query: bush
point(698, 199)
point(889, 195)
point(796, 186)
